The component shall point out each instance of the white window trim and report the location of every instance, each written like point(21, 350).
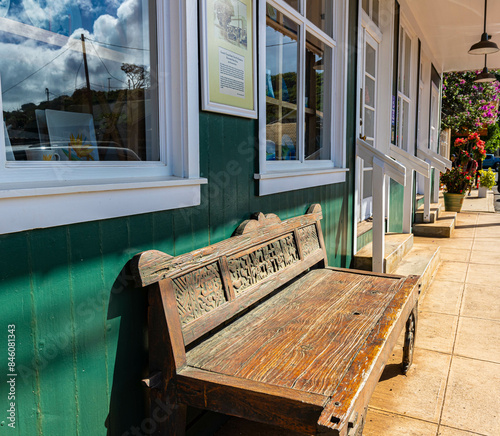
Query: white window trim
point(411, 98)
point(35, 196)
point(275, 177)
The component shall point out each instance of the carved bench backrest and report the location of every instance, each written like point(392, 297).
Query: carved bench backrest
point(213, 284)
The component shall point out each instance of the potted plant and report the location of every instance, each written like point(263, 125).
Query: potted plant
point(457, 181)
point(486, 182)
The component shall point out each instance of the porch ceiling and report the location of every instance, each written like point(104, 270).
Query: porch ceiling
point(450, 27)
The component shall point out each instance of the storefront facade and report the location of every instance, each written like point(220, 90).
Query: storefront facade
point(111, 146)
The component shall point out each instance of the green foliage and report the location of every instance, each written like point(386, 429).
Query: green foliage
point(468, 106)
point(487, 178)
point(457, 180)
point(493, 140)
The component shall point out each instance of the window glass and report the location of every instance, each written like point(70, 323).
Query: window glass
point(294, 4)
point(281, 86)
point(371, 60)
point(375, 11)
point(407, 58)
point(78, 80)
point(318, 98)
point(366, 6)
point(320, 12)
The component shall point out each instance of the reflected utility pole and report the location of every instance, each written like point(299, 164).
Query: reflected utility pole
point(89, 92)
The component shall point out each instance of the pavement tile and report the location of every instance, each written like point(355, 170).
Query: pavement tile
point(242, 427)
point(485, 257)
point(452, 271)
point(487, 245)
point(481, 302)
point(459, 243)
point(479, 339)
point(480, 274)
point(452, 254)
point(472, 396)
point(442, 296)
point(420, 393)
point(448, 431)
point(380, 423)
point(436, 331)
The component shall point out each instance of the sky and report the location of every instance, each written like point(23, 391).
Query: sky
point(45, 51)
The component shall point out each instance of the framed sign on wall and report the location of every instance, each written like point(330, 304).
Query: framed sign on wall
point(228, 57)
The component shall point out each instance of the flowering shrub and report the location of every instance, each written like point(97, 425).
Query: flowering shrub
point(457, 180)
point(487, 178)
point(467, 105)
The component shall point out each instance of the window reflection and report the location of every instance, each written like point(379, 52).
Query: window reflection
point(78, 80)
point(281, 86)
point(319, 12)
point(318, 98)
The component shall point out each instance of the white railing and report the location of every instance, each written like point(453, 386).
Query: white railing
point(383, 166)
point(412, 164)
point(440, 164)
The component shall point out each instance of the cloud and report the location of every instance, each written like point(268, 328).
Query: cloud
point(29, 65)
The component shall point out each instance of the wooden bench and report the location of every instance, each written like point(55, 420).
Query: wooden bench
point(257, 326)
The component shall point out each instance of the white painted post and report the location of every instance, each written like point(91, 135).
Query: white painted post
point(407, 200)
point(427, 197)
point(379, 192)
point(435, 191)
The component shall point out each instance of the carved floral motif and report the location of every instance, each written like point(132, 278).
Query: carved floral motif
point(198, 292)
point(309, 239)
point(254, 267)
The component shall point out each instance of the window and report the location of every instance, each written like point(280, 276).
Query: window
point(301, 95)
point(93, 109)
point(404, 90)
point(371, 7)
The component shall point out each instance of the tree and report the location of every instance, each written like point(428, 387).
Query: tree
point(468, 106)
point(137, 75)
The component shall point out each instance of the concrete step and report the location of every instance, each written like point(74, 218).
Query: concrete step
point(396, 246)
point(436, 209)
point(421, 260)
point(441, 228)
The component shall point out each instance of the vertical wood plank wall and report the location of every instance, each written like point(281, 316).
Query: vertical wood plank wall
point(80, 324)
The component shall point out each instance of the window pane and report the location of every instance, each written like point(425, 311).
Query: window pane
point(369, 122)
point(366, 6)
point(369, 92)
point(371, 60)
point(375, 11)
point(78, 80)
point(367, 183)
point(318, 99)
point(281, 86)
point(320, 13)
point(406, 125)
point(406, 80)
point(294, 4)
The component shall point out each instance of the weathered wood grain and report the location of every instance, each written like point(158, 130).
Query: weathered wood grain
point(151, 266)
point(261, 402)
point(306, 336)
point(307, 358)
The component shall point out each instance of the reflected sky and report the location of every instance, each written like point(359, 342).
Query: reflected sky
point(40, 46)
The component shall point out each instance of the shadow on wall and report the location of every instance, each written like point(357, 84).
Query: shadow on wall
point(128, 403)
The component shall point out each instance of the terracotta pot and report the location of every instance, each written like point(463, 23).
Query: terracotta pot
point(453, 202)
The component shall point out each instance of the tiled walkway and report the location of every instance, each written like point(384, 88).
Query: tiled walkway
point(453, 388)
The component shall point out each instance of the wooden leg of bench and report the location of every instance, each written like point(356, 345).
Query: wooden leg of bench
point(409, 344)
point(168, 419)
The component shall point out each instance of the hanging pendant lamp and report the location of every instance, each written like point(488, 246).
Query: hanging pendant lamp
point(485, 46)
point(485, 76)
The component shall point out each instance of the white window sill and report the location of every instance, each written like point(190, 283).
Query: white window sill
point(25, 207)
point(284, 181)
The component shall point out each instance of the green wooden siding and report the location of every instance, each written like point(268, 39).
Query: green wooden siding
point(80, 324)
